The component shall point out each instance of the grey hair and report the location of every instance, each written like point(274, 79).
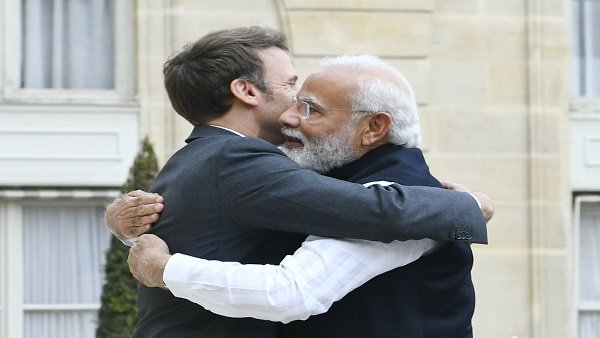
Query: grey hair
point(382, 88)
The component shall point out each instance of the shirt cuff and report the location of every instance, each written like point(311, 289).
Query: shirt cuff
point(130, 241)
point(175, 272)
point(127, 241)
point(476, 200)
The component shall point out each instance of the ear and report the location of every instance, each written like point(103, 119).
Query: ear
point(376, 129)
point(244, 91)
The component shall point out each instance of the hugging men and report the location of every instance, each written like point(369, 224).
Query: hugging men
point(231, 196)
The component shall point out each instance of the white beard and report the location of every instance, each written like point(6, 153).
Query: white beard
point(323, 154)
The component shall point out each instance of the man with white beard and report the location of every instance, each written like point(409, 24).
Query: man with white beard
point(354, 119)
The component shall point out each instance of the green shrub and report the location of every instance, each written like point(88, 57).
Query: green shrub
point(118, 311)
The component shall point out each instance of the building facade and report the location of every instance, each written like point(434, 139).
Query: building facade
point(509, 97)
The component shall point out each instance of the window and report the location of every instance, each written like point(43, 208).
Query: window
point(585, 102)
point(55, 254)
point(585, 139)
point(61, 51)
point(67, 44)
point(586, 48)
point(587, 225)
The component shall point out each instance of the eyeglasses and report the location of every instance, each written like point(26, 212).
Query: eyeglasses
point(302, 107)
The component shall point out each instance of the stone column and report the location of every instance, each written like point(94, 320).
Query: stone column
point(549, 194)
point(154, 44)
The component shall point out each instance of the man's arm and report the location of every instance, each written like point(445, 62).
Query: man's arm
point(254, 177)
point(320, 272)
point(258, 187)
point(133, 213)
point(483, 200)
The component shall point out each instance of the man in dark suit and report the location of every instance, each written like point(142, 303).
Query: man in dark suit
point(350, 105)
point(230, 195)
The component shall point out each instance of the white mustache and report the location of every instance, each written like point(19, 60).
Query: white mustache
point(294, 133)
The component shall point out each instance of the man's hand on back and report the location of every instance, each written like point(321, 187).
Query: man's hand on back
point(147, 260)
point(133, 213)
point(487, 208)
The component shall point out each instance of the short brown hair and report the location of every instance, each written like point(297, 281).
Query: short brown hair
point(197, 78)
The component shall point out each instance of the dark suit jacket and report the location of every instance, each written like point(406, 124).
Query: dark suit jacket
point(430, 298)
point(240, 199)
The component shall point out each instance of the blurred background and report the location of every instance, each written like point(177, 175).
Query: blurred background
point(509, 98)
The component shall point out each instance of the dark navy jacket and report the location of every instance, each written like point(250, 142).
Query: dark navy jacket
point(432, 297)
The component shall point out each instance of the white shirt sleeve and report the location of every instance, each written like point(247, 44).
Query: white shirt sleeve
point(320, 272)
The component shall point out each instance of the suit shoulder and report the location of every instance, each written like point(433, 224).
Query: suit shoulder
point(252, 154)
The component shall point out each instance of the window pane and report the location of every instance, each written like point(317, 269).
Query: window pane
point(589, 325)
point(61, 324)
point(68, 44)
point(576, 49)
point(589, 252)
point(63, 256)
point(586, 47)
point(64, 249)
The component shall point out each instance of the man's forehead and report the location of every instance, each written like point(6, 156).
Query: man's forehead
point(278, 63)
point(325, 87)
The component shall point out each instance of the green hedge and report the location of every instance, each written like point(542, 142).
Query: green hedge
point(118, 312)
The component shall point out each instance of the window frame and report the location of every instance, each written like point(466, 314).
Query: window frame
point(585, 105)
point(579, 305)
point(124, 71)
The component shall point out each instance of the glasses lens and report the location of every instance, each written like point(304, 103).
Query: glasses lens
point(302, 107)
point(305, 109)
